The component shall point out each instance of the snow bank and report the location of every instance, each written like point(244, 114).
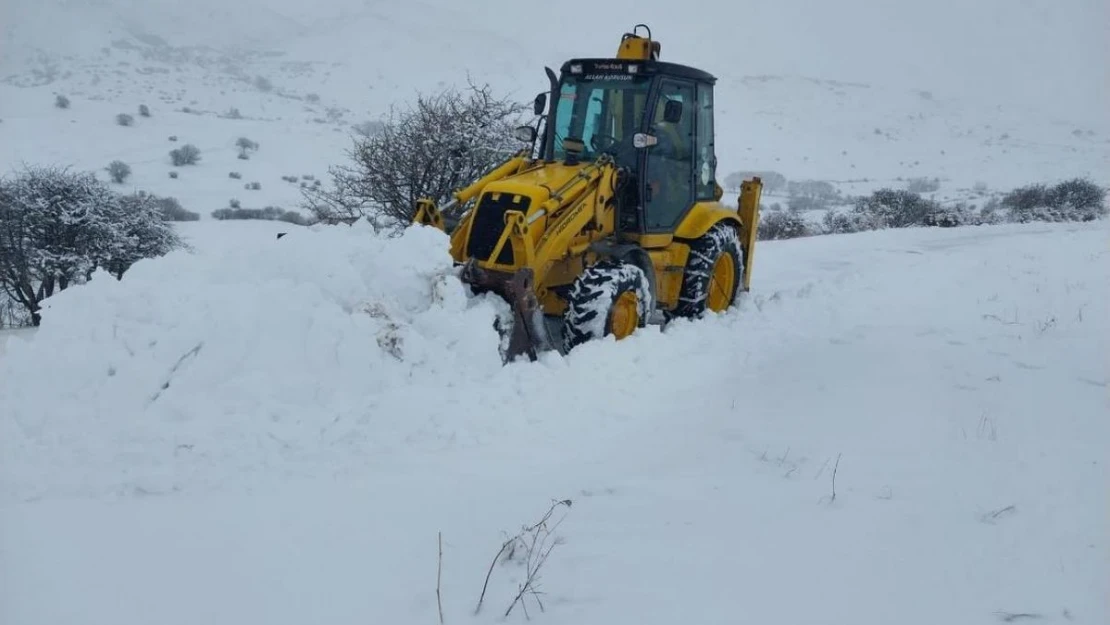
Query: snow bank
point(238, 357)
point(953, 381)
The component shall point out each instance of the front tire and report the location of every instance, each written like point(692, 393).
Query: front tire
point(713, 271)
point(610, 297)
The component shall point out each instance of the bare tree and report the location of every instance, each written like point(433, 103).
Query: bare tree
point(429, 149)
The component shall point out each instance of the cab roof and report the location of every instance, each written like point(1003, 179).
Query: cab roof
point(614, 66)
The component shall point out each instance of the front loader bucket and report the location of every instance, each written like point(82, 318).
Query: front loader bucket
point(528, 334)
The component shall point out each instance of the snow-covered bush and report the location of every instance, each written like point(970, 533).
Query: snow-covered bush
point(234, 175)
point(991, 212)
point(253, 186)
point(959, 214)
point(171, 210)
point(139, 231)
point(58, 226)
point(123, 119)
point(783, 225)
point(270, 213)
point(895, 208)
point(429, 149)
point(118, 171)
point(173, 174)
point(1071, 200)
point(61, 102)
point(846, 223)
point(804, 195)
point(187, 154)
point(144, 110)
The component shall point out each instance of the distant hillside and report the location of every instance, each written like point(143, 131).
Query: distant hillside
point(298, 78)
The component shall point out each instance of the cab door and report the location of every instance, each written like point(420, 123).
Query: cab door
point(668, 181)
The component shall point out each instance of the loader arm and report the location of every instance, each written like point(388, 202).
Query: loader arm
point(428, 214)
point(561, 218)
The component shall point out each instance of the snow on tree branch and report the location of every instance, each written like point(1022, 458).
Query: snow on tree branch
point(58, 226)
point(428, 149)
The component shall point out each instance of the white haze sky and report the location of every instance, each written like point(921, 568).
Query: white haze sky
point(1049, 57)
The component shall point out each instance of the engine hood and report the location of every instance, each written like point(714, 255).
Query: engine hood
point(537, 183)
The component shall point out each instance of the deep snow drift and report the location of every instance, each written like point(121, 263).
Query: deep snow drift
point(245, 434)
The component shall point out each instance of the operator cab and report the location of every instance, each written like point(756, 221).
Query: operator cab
point(654, 118)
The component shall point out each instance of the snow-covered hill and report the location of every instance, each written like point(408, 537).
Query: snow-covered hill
point(275, 431)
point(804, 90)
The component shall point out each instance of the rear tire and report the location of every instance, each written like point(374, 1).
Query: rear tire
point(610, 297)
point(713, 271)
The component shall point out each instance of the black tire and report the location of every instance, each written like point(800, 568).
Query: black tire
point(591, 300)
point(722, 238)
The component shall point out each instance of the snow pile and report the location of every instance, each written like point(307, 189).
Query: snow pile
point(241, 356)
point(903, 426)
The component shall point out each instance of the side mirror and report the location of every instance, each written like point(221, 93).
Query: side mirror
point(526, 134)
point(672, 112)
point(641, 140)
point(539, 103)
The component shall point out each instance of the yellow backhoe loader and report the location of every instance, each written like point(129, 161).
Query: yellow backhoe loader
point(611, 217)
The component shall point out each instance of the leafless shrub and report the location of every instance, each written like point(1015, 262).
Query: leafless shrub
point(187, 154)
point(430, 149)
point(118, 171)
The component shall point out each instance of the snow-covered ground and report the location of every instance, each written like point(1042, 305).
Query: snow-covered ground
point(277, 430)
point(902, 427)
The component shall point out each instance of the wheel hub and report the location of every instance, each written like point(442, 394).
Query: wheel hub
point(721, 283)
point(625, 316)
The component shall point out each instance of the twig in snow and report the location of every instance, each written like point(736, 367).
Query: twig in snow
point(1010, 617)
point(536, 550)
point(439, 577)
point(991, 517)
point(822, 469)
point(175, 367)
point(987, 428)
point(836, 466)
point(504, 546)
